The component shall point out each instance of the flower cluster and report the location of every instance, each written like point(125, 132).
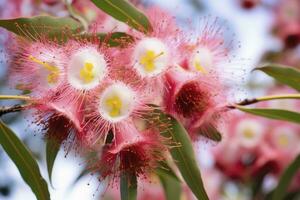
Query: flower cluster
point(98, 96)
point(256, 147)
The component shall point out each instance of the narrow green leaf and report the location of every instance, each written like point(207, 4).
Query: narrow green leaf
point(33, 28)
point(286, 178)
point(24, 161)
point(115, 39)
point(124, 11)
point(210, 132)
point(56, 134)
point(128, 186)
point(283, 74)
point(82, 174)
point(278, 114)
point(169, 181)
point(52, 149)
point(164, 168)
point(183, 155)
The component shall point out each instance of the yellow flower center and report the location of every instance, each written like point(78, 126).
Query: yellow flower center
point(148, 59)
point(283, 140)
point(248, 133)
point(86, 73)
point(53, 75)
point(115, 105)
point(199, 67)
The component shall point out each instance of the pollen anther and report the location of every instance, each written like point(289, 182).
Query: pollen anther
point(148, 60)
point(86, 73)
point(115, 105)
point(53, 70)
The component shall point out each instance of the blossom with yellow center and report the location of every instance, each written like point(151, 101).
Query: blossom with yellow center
point(53, 75)
point(201, 60)
point(115, 105)
point(86, 73)
point(248, 133)
point(86, 68)
point(117, 102)
point(150, 57)
point(148, 60)
point(283, 140)
point(199, 67)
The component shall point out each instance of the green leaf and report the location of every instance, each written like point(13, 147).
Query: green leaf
point(24, 161)
point(128, 186)
point(52, 149)
point(82, 174)
point(56, 134)
point(124, 11)
point(164, 168)
point(278, 114)
point(283, 74)
point(183, 154)
point(210, 132)
point(42, 26)
point(169, 181)
point(114, 39)
point(286, 178)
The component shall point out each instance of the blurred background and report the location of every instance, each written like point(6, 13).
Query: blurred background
point(261, 31)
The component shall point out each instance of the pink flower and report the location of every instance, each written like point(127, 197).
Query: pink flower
point(130, 151)
point(205, 50)
point(255, 146)
point(192, 99)
point(284, 139)
point(116, 103)
point(290, 34)
point(87, 66)
point(38, 67)
point(59, 120)
point(244, 152)
point(151, 55)
point(287, 22)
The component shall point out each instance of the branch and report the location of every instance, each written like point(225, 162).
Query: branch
point(16, 97)
point(247, 102)
point(15, 108)
point(76, 15)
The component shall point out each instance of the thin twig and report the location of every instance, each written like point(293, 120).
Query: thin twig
point(247, 102)
point(76, 15)
point(17, 97)
point(15, 108)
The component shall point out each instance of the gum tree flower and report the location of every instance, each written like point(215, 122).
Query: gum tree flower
point(151, 55)
point(112, 113)
point(87, 66)
point(205, 51)
point(193, 100)
point(38, 67)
